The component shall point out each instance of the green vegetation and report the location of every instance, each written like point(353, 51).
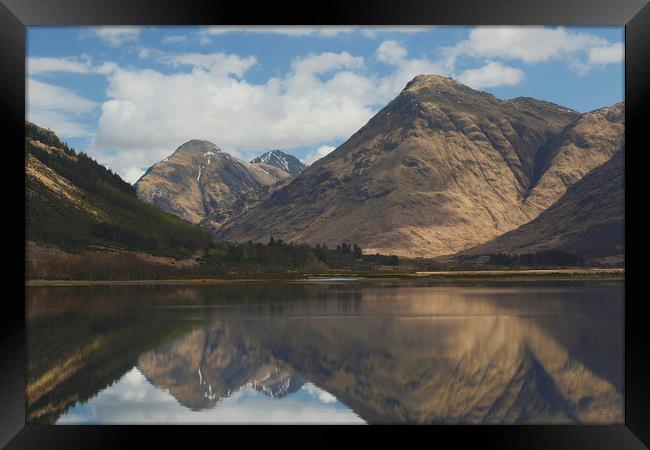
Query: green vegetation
point(73, 354)
point(277, 255)
point(121, 220)
point(547, 258)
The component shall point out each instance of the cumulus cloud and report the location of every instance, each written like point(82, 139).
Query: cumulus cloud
point(149, 113)
point(609, 54)
point(57, 108)
point(323, 98)
point(390, 52)
point(116, 35)
point(405, 69)
point(490, 75)
point(317, 154)
point(216, 63)
point(533, 45)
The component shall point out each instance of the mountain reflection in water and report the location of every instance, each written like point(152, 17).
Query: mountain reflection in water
point(375, 351)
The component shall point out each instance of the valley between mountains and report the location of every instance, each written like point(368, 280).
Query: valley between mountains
point(442, 172)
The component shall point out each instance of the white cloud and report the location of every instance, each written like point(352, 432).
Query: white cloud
point(43, 65)
point(610, 54)
point(57, 108)
point(47, 96)
point(317, 154)
point(529, 44)
point(62, 124)
point(83, 65)
point(216, 63)
point(490, 75)
point(148, 113)
point(534, 45)
point(324, 97)
point(390, 52)
point(174, 39)
point(325, 62)
point(116, 35)
point(144, 53)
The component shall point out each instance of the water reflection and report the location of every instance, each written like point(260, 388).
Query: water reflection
point(374, 351)
point(134, 400)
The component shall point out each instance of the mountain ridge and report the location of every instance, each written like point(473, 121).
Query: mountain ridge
point(439, 169)
point(281, 160)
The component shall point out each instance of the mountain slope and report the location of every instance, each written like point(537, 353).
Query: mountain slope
point(75, 203)
point(584, 144)
point(202, 184)
point(441, 168)
point(588, 221)
point(282, 161)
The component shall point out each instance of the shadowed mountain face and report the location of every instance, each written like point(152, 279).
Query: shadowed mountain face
point(282, 161)
point(441, 168)
point(588, 221)
point(585, 144)
point(202, 184)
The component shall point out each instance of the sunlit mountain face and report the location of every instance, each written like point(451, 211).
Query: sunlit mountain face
point(373, 352)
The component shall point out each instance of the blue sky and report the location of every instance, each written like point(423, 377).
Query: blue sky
point(129, 96)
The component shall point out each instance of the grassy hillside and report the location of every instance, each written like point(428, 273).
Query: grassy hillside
point(75, 203)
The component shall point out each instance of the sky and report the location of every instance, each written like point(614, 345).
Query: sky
point(129, 96)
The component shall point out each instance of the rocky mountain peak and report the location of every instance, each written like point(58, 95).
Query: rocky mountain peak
point(429, 80)
point(198, 146)
point(281, 160)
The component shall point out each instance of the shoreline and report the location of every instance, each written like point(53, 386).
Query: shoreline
point(484, 275)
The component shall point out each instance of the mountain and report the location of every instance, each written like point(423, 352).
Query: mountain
point(588, 221)
point(281, 160)
point(440, 169)
point(74, 203)
point(202, 184)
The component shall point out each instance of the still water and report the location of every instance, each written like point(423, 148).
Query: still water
point(332, 351)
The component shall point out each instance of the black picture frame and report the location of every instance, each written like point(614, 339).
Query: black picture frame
point(16, 15)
